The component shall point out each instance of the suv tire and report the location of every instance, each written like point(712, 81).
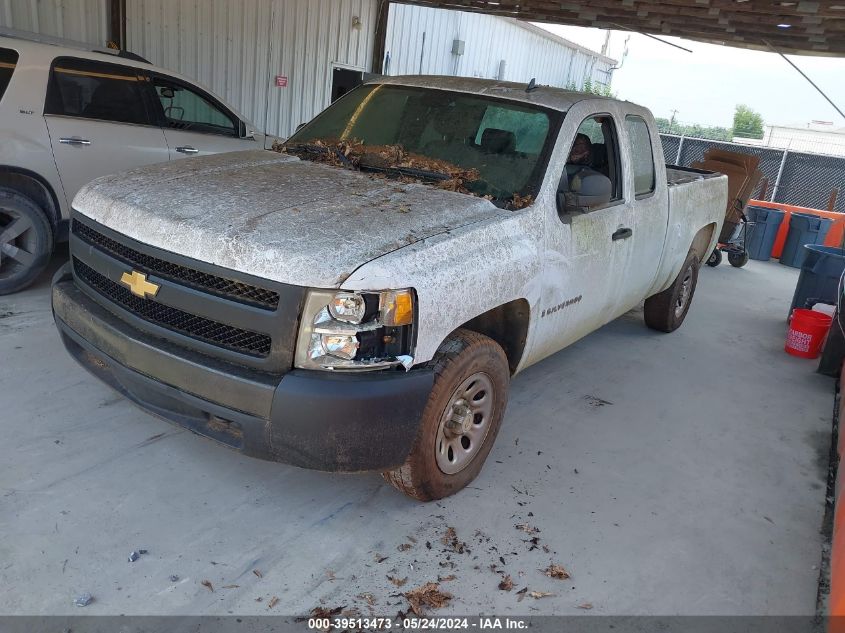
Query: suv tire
point(460, 421)
point(26, 241)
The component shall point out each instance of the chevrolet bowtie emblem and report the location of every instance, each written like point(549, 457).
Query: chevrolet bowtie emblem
point(138, 284)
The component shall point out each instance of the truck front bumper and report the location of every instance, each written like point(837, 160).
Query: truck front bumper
point(312, 419)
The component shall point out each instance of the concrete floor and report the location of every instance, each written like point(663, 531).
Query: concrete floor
point(670, 474)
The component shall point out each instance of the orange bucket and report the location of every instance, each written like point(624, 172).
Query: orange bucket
point(807, 330)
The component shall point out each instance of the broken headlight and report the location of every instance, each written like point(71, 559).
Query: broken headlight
point(355, 330)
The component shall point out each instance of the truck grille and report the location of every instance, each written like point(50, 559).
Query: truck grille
point(212, 284)
point(220, 334)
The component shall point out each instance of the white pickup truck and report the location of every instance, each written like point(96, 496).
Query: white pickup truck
point(361, 300)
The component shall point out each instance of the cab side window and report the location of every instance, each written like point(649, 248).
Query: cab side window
point(94, 90)
point(642, 155)
point(592, 177)
point(8, 61)
point(187, 109)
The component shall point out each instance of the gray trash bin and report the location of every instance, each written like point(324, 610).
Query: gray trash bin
point(762, 235)
point(803, 229)
point(819, 278)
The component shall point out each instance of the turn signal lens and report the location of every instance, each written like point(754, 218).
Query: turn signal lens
point(397, 308)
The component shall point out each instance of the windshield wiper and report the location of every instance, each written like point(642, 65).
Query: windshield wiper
point(422, 174)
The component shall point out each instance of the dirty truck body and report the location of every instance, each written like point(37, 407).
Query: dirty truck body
point(363, 319)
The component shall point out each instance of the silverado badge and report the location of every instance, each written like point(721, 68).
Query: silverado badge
point(138, 284)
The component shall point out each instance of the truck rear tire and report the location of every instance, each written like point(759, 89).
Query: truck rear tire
point(666, 311)
point(26, 241)
point(460, 421)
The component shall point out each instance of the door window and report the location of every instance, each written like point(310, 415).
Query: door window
point(642, 156)
point(94, 90)
point(592, 178)
point(8, 61)
point(187, 109)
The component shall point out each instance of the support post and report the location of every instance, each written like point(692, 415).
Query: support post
point(380, 40)
point(780, 173)
point(680, 150)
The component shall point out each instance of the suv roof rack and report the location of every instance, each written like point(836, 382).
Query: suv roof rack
point(58, 41)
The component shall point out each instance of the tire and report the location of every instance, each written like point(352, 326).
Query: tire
point(738, 260)
point(667, 310)
point(715, 258)
point(26, 241)
point(454, 439)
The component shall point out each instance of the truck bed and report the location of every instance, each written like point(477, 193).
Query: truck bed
point(677, 175)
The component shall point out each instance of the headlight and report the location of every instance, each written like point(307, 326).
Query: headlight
point(355, 330)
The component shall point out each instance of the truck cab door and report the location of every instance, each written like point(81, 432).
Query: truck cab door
point(195, 123)
point(580, 281)
point(648, 213)
point(99, 121)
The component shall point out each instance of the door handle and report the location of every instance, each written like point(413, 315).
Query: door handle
point(187, 149)
point(75, 141)
point(622, 234)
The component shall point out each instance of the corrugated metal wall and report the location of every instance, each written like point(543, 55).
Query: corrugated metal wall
point(238, 49)
point(79, 20)
point(419, 40)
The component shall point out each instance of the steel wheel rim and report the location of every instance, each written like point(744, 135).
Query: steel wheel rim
point(461, 434)
point(684, 295)
point(17, 243)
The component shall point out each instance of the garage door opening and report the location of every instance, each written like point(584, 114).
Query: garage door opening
point(344, 80)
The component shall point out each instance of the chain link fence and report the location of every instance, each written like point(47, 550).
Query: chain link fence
point(798, 178)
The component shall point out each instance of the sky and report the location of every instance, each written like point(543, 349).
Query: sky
point(705, 86)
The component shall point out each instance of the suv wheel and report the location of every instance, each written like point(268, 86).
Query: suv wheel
point(26, 241)
point(460, 421)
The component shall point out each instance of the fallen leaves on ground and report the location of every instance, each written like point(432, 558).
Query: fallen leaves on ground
point(273, 602)
point(586, 605)
point(323, 612)
point(231, 586)
point(369, 598)
point(404, 547)
point(540, 594)
point(207, 584)
point(450, 540)
point(330, 575)
point(506, 584)
point(399, 582)
point(446, 578)
point(429, 595)
point(556, 571)
point(379, 558)
point(521, 593)
point(528, 529)
point(257, 573)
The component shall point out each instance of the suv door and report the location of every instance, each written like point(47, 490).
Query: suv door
point(99, 119)
point(194, 122)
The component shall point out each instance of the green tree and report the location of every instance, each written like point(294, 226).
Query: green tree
point(747, 122)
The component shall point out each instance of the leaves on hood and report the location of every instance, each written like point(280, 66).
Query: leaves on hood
point(429, 595)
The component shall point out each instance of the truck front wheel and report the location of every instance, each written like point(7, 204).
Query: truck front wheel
point(460, 421)
point(666, 311)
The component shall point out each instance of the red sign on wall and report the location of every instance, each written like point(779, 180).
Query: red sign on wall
point(281, 81)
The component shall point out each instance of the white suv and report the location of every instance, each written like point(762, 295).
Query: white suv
point(69, 114)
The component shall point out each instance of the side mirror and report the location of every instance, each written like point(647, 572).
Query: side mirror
point(588, 190)
point(245, 132)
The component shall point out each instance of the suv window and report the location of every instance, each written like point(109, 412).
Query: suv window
point(187, 109)
point(642, 156)
point(94, 90)
point(8, 61)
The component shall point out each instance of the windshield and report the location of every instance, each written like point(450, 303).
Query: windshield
point(487, 147)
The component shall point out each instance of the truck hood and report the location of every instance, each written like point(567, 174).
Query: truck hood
point(274, 216)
